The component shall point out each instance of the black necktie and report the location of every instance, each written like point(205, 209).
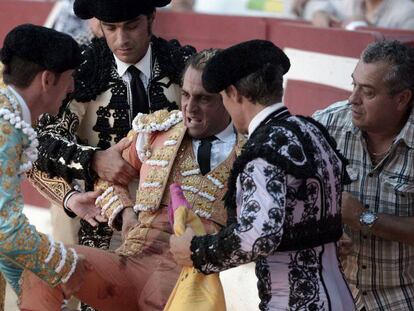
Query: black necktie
point(204, 154)
point(139, 95)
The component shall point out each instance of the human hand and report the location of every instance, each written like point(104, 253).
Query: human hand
point(345, 246)
point(180, 247)
point(129, 221)
point(110, 166)
point(75, 282)
point(324, 20)
point(351, 210)
point(83, 205)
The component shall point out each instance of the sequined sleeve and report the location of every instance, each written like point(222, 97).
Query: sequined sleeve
point(53, 189)
point(113, 200)
point(60, 154)
point(259, 227)
point(21, 245)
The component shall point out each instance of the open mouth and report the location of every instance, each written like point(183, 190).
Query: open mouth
point(193, 121)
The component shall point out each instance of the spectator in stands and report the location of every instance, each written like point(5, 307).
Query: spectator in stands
point(271, 8)
point(63, 19)
point(374, 129)
point(356, 13)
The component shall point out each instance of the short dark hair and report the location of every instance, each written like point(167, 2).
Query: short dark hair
point(199, 60)
point(264, 86)
point(400, 57)
point(20, 72)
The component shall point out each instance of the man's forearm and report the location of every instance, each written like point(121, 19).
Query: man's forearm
point(394, 228)
point(53, 189)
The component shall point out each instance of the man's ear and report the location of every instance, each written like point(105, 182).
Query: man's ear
point(47, 79)
point(234, 94)
point(151, 17)
point(404, 99)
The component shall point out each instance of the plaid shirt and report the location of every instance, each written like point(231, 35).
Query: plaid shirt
point(380, 272)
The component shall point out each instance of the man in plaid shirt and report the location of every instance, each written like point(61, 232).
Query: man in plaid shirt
point(374, 129)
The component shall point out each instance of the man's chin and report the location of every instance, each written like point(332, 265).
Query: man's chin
point(127, 58)
point(195, 133)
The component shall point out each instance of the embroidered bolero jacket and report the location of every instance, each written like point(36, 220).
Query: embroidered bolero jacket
point(284, 194)
point(21, 245)
point(162, 151)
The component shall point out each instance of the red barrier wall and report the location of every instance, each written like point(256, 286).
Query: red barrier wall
point(15, 12)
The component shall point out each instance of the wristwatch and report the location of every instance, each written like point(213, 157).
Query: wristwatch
point(368, 218)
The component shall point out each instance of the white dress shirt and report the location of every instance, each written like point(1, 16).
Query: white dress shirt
point(221, 147)
point(25, 109)
point(255, 122)
point(144, 66)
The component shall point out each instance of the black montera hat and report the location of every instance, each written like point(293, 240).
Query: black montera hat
point(114, 11)
point(53, 50)
point(239, 61)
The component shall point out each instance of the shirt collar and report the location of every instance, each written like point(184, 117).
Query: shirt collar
point(258, 118)
point(25, 109)
point(144, 65)
point(348, 124)
point(407, 132)
point(227, 134)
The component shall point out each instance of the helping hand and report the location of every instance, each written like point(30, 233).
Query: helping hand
point(129, 221)
point(351, 210)
point(110, 166)
point(83, 205)
point(345, 247)
point(180, 247)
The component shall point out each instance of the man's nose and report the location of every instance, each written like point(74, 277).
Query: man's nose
point(191, 105)
point(355, 97)
point(122, 37)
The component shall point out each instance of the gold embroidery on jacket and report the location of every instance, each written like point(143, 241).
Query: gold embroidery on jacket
point(54, 189)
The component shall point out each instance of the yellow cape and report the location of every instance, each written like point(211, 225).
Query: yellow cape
point(194, 290)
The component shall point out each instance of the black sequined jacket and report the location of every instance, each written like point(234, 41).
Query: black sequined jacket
point(97, 115)
point(284, 195)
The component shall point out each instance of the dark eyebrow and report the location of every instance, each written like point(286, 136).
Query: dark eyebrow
point(360, 84)
point(132, 20)
point(107, 24)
